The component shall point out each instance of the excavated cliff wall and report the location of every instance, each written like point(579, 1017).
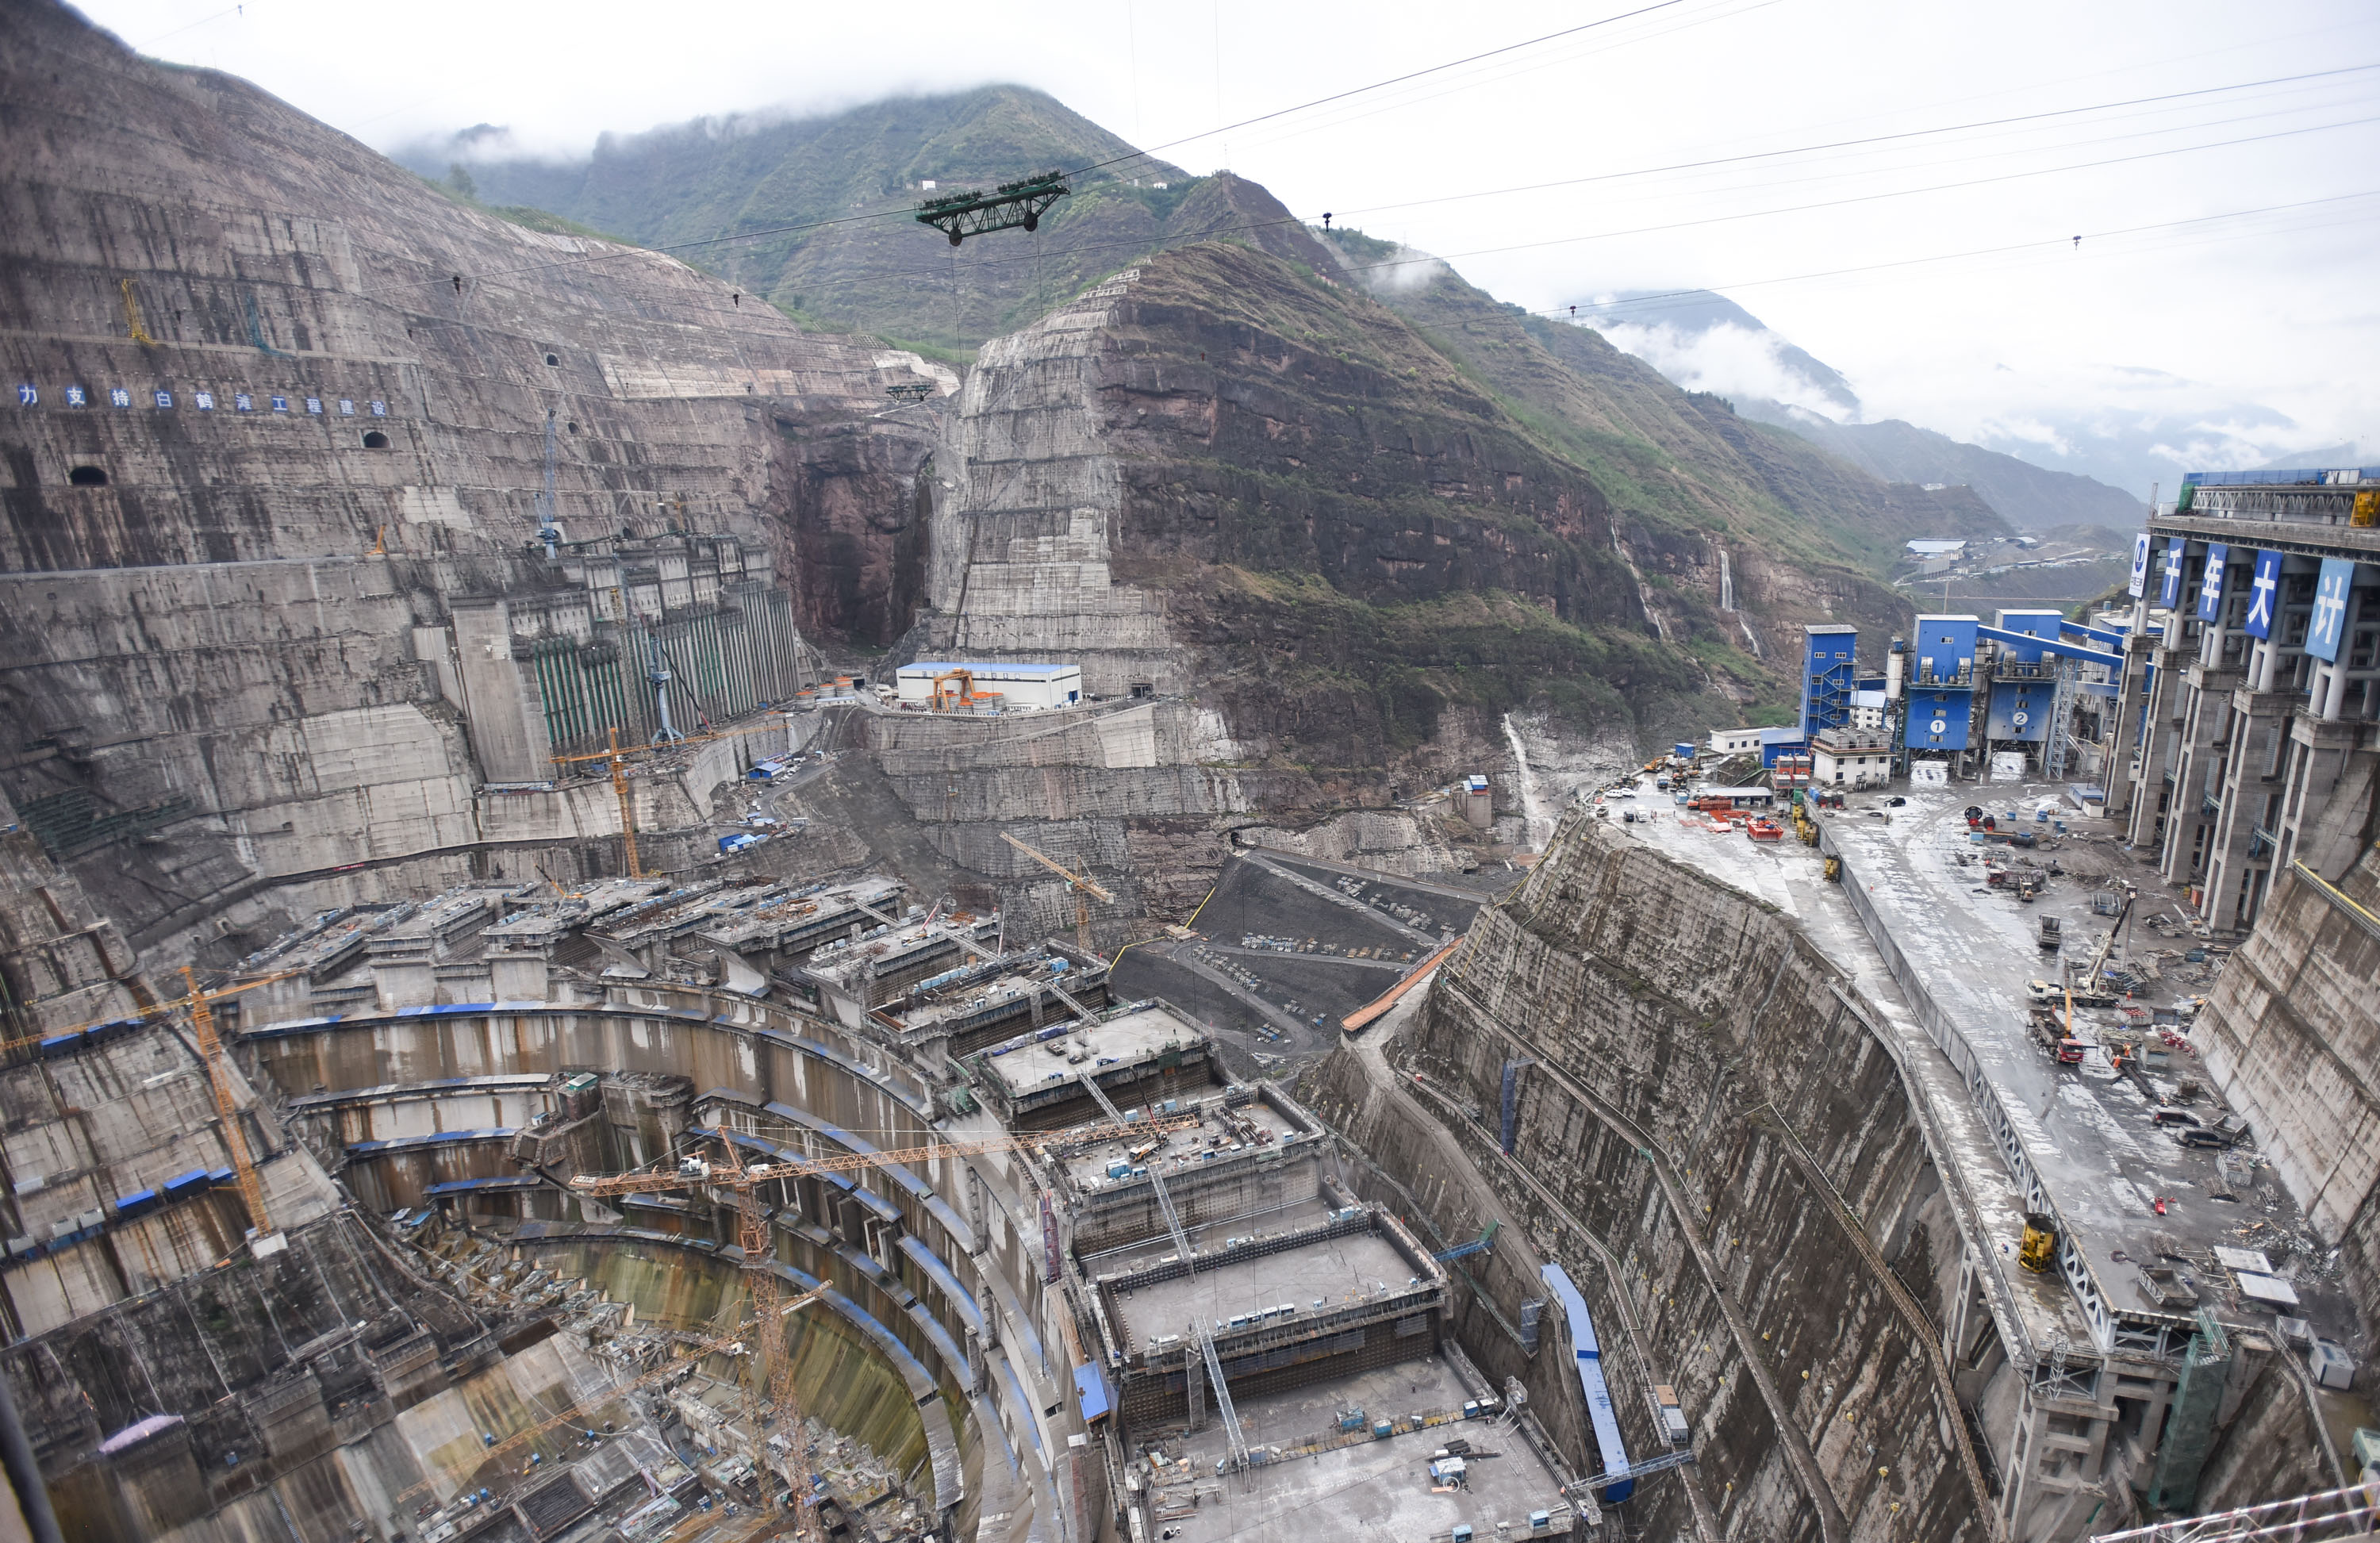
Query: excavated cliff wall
point(1222, 480)
point(2291, 1033)
point(1709, 1136)
point(271, 470)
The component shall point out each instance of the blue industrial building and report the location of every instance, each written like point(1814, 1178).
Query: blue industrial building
point(1942, 694)
point(1830, 677)
point(2025, 680)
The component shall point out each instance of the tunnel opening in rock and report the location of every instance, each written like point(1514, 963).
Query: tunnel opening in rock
point(87, 477)
point(375, 440)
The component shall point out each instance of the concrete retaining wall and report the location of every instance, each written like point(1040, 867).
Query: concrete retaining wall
point(792, 1071)
point(1704, 1105)
point(2291, 1034)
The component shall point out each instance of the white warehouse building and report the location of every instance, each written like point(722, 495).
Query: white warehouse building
point(1018, 685)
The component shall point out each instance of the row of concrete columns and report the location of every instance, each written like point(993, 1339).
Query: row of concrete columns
point(2230, 748)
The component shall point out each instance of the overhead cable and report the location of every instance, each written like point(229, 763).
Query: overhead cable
point(873, 216)
point(1870, 139)
point(1382, 85)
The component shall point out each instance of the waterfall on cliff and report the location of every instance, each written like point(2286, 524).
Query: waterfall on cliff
point(1537, 825)
point(1727, 602)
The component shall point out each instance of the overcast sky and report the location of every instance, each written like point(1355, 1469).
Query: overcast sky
point(2149, 316)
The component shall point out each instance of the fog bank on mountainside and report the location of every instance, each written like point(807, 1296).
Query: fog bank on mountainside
point(1705, 342)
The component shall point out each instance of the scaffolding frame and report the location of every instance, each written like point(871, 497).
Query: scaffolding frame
point(2331, 1514)
point(2058, 756)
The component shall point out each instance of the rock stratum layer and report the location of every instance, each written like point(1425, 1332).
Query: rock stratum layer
point(270, 485)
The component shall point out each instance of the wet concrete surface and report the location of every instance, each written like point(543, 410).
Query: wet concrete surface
point(1376, 1490)
point(2088, 1130)
point(1333, 1271)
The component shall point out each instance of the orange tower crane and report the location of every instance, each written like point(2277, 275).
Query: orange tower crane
point(1083, 884)
point(617, 756)
point(772, 1383)
point(261, 1239)
point(215, 995)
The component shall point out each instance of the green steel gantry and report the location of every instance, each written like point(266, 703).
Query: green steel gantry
point(1017, 205)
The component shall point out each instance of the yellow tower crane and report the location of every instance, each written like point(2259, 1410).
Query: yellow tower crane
point(617, 755)
point(772, 1384)
point(1083, 884)
point(263, 1239)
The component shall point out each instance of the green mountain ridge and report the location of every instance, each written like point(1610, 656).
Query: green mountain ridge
point(827, 200)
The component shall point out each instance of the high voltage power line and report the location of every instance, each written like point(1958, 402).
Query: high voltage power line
point(1873, 139)
point(1151, 150)
point(1668, 169)
point(1382, 85)
point(2042, 244)
point(1255, 225)
point(1909, 192)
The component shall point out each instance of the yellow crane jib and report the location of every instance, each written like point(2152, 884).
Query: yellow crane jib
point(56, 1037)
point(616, 754)
point(1083, 884)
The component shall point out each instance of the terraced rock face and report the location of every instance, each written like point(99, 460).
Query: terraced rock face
point(1368, 557)
point(281, 417)
point(2289, 1034)
point(1703, 1099)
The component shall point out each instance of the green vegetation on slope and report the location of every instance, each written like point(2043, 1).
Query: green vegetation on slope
point(1356, 534)
point(759, 175)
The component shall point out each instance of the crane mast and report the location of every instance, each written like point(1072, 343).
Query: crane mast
point(616, 757)
point(770, 1383)
point(1083, 884)
point(262, 1239)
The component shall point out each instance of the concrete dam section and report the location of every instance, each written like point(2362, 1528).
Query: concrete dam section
point(624, 918)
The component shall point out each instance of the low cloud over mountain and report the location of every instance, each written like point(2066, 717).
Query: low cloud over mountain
point(2113, 433)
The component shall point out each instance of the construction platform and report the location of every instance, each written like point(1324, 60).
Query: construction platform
point(1242, 1285)
point(1143, 1052)
point(1286, 946)
point(985, 1000)
point(1355, 1485)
